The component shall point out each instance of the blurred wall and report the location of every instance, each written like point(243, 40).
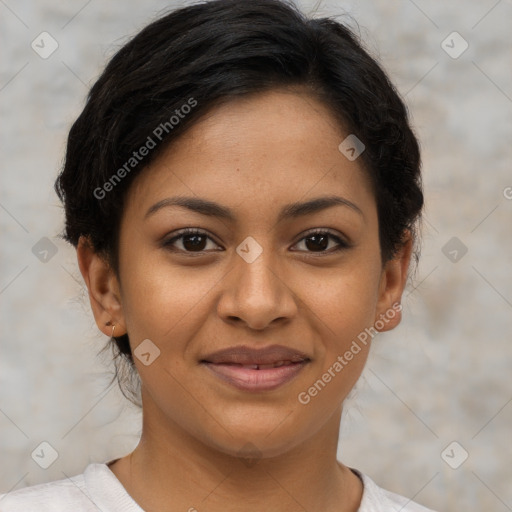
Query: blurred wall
point(435, 390)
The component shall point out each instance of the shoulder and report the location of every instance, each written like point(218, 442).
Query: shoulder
point(57, 496)
point(376, 499)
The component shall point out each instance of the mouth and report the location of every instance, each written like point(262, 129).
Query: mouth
point(256, 370)
point(256, 378)
point(277, 364)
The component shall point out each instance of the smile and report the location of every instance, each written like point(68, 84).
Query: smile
point(256, 377)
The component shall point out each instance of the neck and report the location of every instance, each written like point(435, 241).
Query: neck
point(171, 470)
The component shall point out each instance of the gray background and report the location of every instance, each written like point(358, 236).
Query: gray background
point(443, 375)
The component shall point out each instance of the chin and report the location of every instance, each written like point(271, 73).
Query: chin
point(253, 443)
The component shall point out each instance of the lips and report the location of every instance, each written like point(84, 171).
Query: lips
point(277, 364)
point(256, 370)
point(268, 357)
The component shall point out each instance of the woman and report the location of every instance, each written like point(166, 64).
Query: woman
point(243, 190)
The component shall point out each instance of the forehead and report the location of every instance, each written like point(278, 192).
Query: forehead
point(271, 147)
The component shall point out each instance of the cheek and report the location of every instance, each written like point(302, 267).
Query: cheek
point(345, 298)
point(343, 311)
point(159, 297)
point(342, 318)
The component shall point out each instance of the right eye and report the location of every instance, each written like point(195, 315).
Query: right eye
point(192, 240)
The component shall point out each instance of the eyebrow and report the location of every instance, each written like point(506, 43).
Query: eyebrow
point(289, 211)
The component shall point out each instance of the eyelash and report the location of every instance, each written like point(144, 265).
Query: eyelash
point(194, 231)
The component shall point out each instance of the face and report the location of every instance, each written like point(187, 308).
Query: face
point(308, 279)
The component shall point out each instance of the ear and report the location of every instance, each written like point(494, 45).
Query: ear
point(103, 286)
point(391, 287)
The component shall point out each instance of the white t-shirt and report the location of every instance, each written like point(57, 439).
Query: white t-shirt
point(97, 489)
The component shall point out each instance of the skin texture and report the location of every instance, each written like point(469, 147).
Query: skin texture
point(253, 155)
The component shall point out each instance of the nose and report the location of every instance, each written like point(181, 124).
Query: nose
point(257, 294)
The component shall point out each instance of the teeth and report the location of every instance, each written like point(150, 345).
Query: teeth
point(277, 364)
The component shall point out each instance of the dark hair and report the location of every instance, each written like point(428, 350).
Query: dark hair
point(199, 56)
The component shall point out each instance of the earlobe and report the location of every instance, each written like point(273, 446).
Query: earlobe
point(391, 287)
point(103, 289)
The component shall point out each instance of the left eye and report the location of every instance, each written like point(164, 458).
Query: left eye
point(320, 241)
point(195, 240)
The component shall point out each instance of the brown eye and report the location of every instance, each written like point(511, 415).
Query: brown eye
point(192, 240)
point(196, 241)
point(318, 241)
